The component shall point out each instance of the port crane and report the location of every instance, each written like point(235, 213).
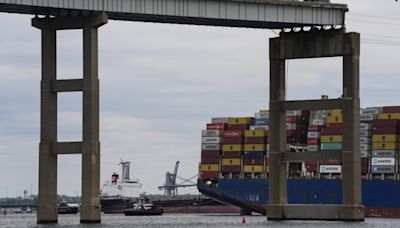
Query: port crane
point(170, 186)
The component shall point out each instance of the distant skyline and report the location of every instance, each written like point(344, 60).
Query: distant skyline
point(160, 85)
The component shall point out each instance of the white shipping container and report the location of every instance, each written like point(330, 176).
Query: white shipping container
point(313, 148)
point(313, 135)
point(291, 126)
point(364, 153)
point(214, 146)
point(383, 169)
point(365, 147)
point(365, 134)
point(219, 120)
point(384, 153)
point(330, 168)
point(318, 122)
point(367, 117)
point(293, 113)
point(210, 133)
point(263, 127)
point(258, 115)
point(372, 110)
point(208, 140)
point(365, 126)
point(365, 140)
point(382, 161)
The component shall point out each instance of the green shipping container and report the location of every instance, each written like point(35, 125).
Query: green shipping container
point(331, 146)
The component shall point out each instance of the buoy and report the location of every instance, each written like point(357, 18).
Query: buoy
point(244, 220)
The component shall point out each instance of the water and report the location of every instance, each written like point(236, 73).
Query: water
point(185, 220)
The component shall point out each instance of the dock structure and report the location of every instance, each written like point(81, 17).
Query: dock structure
point(89, 15)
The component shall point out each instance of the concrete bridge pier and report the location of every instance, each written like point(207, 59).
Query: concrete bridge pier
point(50, 147)
point(315, 44)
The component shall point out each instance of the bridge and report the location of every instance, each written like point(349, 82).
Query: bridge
point(324, 35)
point(276, 14)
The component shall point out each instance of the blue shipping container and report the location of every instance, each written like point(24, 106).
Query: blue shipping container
point(331, 146)
point(261, 122)
point(251, 155)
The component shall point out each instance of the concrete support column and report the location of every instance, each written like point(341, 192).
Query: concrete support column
point(90, 145)
point(90, 208)
point(351, 157)
point(277, 186)
point(47, 199)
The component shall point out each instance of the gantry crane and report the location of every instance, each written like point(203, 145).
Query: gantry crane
point(171, 187)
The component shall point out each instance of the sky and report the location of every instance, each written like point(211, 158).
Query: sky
point(161, 83)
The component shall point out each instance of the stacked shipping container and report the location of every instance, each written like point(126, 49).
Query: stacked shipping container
point(230, 149)
point(331, 140)
point(385, 141)
point(296, 127)
point(255, 146)
point(367, 115)
point(211, 149)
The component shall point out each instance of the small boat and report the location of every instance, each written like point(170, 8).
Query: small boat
point(143, 207)
point(68, 208)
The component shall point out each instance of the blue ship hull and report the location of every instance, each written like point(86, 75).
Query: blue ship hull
point(380, 197)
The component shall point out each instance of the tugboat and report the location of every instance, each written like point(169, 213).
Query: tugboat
point(67, 208)
point(143, 207)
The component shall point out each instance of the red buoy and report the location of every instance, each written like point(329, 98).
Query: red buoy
point(244, 220)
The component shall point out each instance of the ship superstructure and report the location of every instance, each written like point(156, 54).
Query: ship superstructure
point(117, 195)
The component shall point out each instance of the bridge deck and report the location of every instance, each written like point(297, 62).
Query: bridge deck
point(272, 14)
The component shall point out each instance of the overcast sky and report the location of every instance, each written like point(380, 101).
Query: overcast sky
point(160, 85)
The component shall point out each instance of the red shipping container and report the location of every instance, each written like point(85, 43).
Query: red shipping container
point(232, 140)
point(230, 169)
point(391, 109)
point(329, 163)
point(296, 119)
point(208, 160)
point(311, 166)
point(301, 140)
point(331, 131)
point(295, 133)
point(313, 141)
point(266, 161)
point(298, 127)
point(364, 169)
point(364, 161)
point(253, 161)
point(385, 130)
point(385, 123)
point(382, 212)
point(315, 128)
point(210, 153)
point(240, 127)
point(209, 175)
point(216, 126)
point(233, 134)
point(256, 140)
point(231, 154)
point(334, 125)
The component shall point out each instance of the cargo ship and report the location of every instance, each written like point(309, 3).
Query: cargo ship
point(234, 159)
point(118, 195)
